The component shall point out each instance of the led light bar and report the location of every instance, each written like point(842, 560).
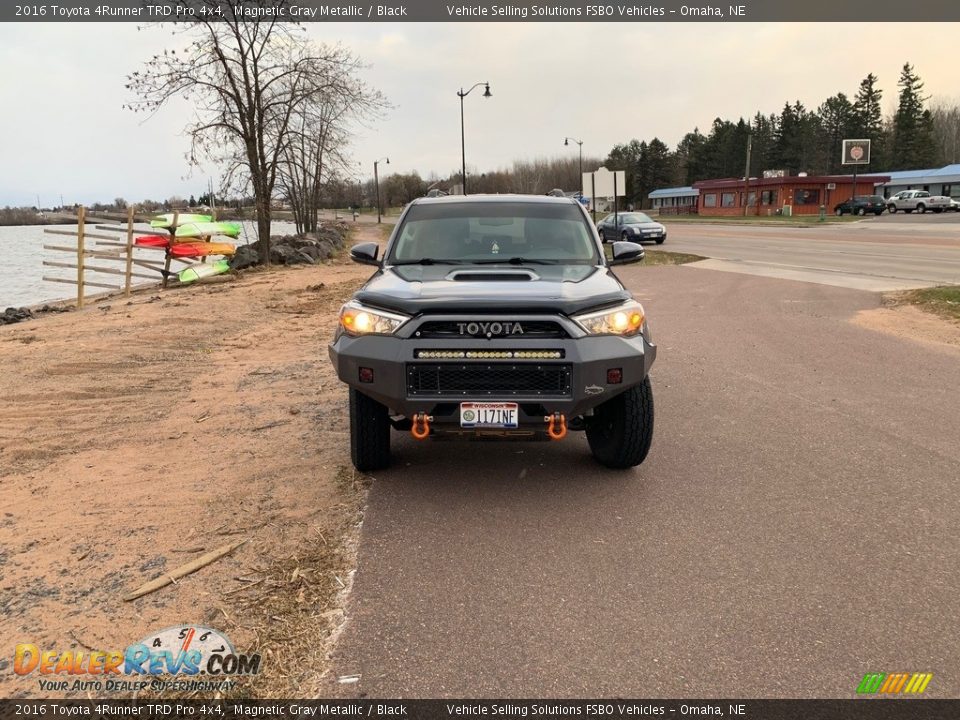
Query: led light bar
point(488, 354)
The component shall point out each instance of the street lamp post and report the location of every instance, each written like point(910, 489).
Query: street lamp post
point(566, 141)
point(376, 184)
point(463, 142)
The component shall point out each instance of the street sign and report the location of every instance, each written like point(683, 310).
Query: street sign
point(603, 182)
point(856, 152)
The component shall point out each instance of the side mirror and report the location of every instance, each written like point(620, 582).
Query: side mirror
point(365, 253)
point(625, 252)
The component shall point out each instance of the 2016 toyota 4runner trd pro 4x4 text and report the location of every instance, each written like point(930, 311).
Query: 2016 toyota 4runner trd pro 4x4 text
point(496, 315)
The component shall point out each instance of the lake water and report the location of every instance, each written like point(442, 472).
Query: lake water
point(22, 256)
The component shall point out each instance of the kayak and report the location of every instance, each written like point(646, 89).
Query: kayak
point(192, 274)
point(165, 221)
point(206, 229)
point(152, 241)
point(201, 249)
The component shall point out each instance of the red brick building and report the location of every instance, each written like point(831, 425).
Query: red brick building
point(802, 194)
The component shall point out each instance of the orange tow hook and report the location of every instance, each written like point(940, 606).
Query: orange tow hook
point(421, 426)
point(556, 426)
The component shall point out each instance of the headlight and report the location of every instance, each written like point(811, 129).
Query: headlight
point(356, 319)
point(625, 320)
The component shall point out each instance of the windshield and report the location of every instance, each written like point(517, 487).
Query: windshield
point(635, 218)
point(490, 232)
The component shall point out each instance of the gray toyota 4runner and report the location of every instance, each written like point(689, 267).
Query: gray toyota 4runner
point(493, 315)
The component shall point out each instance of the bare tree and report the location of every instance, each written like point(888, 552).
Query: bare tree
point(946, 130)
point(246, 76)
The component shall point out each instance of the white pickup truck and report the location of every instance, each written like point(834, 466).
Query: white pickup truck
point(919, 200)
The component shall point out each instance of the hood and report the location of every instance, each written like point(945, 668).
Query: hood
point(565, 289)
point(645, 226)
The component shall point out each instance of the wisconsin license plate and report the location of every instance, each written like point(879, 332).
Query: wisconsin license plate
point(488, 414)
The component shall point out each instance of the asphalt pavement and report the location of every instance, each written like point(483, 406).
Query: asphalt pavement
point(895, 252)
point(794, 527)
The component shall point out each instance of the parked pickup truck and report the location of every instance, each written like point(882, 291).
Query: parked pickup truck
point(919, 200)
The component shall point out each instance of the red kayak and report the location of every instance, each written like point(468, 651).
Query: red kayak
point(152, 241)
point(201, 249)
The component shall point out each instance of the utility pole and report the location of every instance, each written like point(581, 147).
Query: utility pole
point(746, 176)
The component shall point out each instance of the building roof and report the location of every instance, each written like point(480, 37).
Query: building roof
point(948, 173)
point(792, 180)
point(675, 192)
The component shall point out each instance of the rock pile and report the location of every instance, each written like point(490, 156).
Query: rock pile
point(310, 248)
point(14, 315)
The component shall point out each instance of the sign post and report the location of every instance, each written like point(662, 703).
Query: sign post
point(856, 153)
point(606, 183)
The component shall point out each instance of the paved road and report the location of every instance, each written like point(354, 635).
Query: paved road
point(886, 253)
point(794, 527)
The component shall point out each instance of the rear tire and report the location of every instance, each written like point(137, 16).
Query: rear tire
point(861, 212)
point(838, 212)
point(369, 433)
point(621, 429)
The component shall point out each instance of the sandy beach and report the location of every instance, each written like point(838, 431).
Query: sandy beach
point(139, 433)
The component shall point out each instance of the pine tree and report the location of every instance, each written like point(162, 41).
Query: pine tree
point(867, 122)
point(836, 120)
point(912, 125)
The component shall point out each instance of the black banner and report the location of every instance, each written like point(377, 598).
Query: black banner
point(861, 12)
point(857, 709)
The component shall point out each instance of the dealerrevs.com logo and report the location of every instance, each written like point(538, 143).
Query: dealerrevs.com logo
point(182, 650)
point(894, 683)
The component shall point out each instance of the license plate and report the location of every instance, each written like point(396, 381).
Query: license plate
point(488, 414)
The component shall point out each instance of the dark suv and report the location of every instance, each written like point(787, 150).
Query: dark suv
point(493, 315)
point(861, 205)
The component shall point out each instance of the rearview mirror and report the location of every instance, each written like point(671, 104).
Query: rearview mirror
point(365, 253)
point(626, 252)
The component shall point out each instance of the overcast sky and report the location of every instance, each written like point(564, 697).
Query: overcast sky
point(63, 129)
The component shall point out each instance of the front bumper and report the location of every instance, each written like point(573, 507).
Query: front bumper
point(589, 358)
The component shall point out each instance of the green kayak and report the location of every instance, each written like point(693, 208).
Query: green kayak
point(197, 272)
point(166, 221)
point(206, 229)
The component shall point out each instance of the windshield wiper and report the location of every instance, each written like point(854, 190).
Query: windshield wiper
point(515, 261)
point(427, 261)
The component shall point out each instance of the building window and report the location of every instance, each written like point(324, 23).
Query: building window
point(806, 197)
point(751, 198)
point(728, 200)
point(710, 200)
point(768, 197)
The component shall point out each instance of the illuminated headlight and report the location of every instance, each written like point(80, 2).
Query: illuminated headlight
point(626, 320)
point(356, 319)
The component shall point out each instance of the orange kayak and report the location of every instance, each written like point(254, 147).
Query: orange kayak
point(201, 249)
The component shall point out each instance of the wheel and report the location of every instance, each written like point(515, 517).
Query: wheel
point(878, 213)
point(861, 212)
point(921, 208)
point(624, 236)
point(661, 240)
point(621, 430)
point(602, 238)
point(369, 433)
point(839, 212)
point(892, 209)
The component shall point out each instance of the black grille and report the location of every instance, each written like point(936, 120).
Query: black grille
point(532, 329)
point(479, 380)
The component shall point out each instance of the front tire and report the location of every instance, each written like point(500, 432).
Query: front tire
point(369, 433)
point(892, 209)
point(838, 212)
point(602, 238)
point(621, 429)
point(921, 208)
point(661, 241)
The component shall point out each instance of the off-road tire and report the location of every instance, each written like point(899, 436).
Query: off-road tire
point(369, 433)
point(621, 429)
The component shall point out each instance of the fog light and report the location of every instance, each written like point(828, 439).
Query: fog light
point(366, 375)
point(614, 376)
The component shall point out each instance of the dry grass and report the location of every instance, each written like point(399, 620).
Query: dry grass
point(943, 301)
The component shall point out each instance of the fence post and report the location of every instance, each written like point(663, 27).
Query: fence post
point(81, 217)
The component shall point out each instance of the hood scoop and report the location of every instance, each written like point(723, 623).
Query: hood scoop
point(493, 275)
